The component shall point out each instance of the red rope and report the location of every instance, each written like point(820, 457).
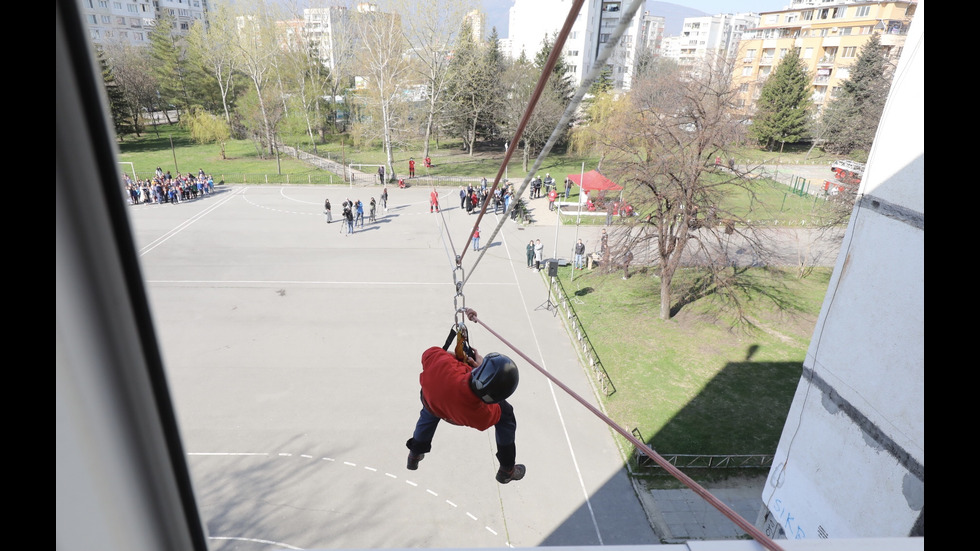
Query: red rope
point(673, 470)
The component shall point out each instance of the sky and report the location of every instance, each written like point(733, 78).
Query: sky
point(498, 14)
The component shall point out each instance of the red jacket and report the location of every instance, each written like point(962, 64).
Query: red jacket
point(446, 389)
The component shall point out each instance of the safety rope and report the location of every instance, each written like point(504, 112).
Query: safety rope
point(745, 525)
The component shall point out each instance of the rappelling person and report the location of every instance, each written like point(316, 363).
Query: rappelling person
point(470, 390)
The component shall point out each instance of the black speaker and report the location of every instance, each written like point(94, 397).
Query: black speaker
point(552, 268)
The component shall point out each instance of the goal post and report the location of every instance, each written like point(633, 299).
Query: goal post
point(132, 168)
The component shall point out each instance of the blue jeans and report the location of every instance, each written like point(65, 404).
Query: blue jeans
point(578, 261)
point(504, 431)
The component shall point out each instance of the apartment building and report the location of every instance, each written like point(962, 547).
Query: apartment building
point(652, 32)
point(828, 34)
point(534, 21)
point(132, 20)
point(326, 28)
point(712, 38)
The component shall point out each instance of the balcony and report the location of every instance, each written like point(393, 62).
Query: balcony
point(827, 60)
point(766, 60)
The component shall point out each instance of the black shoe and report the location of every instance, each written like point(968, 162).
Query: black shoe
point(413, 461)
point(516, 473)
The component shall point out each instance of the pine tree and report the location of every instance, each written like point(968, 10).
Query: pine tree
point(851, 119)
point(119, 108)
point(169, 63)
point(783, 112)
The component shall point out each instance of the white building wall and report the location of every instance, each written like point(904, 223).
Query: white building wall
point(532, 21)
point(851, 459)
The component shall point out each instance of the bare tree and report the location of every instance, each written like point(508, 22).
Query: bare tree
point(256, 46)
point(132, 68)
point(676, 125)
point(432, 34)
point(382, 59)
point(213, 44)
point(518, 82)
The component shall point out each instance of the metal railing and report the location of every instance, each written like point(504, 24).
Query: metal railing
point(587, 353)
point(640, 460)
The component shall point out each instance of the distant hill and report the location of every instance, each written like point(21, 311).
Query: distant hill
point(673, 15)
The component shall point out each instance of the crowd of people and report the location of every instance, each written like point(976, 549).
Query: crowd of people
point(163, 187)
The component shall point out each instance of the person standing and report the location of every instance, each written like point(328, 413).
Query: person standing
point(476, 239)
point(552, 197)
point(384, 198)
point(349, 217)
point(604, 248)
point(326, 210)
point(579, 254)
point(627, 258)
point(433, 201)
point(549, 182)
point(530, 254)
point(462, 197)
point(381, 174)
point(538, 255)
point(609, 212)
point(470, 392)
point(568, 188)
point(360, 213)
point(411, 167)
point(374, 210)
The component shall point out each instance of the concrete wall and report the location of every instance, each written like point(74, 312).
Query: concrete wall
point(851, 459)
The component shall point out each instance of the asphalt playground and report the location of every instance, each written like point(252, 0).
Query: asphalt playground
point(293, 353)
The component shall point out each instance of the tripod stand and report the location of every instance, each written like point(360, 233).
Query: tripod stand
point(548, 305)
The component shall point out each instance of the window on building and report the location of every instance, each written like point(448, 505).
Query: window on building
point(106, 19)
point(90, 4)
point(138, 36)
point(862, 11)
point(120, 20)
point(848, 51)
point(603, 38)
point(94, 33)
point(768, 53)
point(806, 15)
point(772, 19)
point(846, 31)
point(749, 55)
point(573, 35)
point(783, 52)
point(117, 5)
point(824, 13)
point(764, 71)
point(743, 88)
point(92, 20)
point(123, 34)
point(792, 17)
point(829, 54)
point(103, 3)
point(747, 71)
point(824, 31)
point(108, 34)
point(838, 12)
point(573, 69)
point(572, 53)
point(184, 26)
point(843, 73)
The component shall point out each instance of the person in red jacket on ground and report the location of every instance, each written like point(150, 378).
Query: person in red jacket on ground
point(552, 197)
point(433, 201)
point(471, 393)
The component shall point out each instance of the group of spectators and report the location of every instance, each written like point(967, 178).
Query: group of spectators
point(166, 188)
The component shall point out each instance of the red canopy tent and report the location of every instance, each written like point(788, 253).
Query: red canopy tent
point(594, 180)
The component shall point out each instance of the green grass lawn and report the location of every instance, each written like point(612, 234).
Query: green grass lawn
point(695, 384)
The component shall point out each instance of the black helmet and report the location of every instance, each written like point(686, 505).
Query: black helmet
point(495, 379)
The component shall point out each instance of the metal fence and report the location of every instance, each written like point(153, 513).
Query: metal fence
point(586, 351)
